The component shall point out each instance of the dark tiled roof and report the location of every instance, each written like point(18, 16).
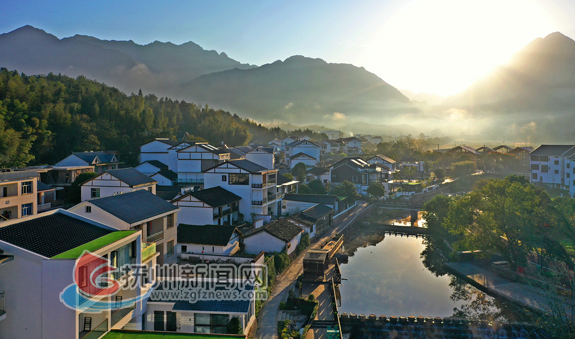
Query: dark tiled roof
point(134, 206)
point(318, 170)
point(315, 198)
point(318, 211)
point(52, 234)
point(352, 161)
point(168, 174)
point(551, 149)
point(167, 141)
point(299, 142)
point(300, 154)
point(209, 234)
point(157, 164)
point(247, 165)
point(235, 153)
point(281, 229)
point(17, 175)
point(215, 196)
point(283, 180)
point(383, 157)
point(167, 192)
point(43, 187)
point(131, 176)
point(89, 156)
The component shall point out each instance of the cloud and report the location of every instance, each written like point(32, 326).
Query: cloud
point(335, 117)
point(288, 106)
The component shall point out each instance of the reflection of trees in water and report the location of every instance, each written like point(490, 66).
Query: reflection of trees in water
point(477, 304)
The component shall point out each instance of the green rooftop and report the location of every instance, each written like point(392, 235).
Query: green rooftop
point(93, 245)
point(123, 334)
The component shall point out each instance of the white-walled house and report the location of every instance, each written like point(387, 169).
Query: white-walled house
point(151, 167)
point(352, 145)
point(383, 160)
point(287, 140)
point(263, 156)
point(102, 161)
point(18, 195)
point(196, 158)
point(276, 144)
point(165, 177)
point(294, 203)
point(115, 182)
point(306, 147)
point(141, 211)
point(38, 264)
point(549, 165)
point(255, 184)
point(208, 239)
point(158, 150)
point(273, 237)
point(318, 173)
point(210, 206)
point(306, 159)
point(314, 219)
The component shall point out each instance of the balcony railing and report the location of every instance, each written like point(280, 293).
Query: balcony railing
point(257, 185)
point(226, 212)
point(264, 200)
point(44, 207)
point(190, 181)
point(235, 209)
point(148, 250)
point(96, 332)
point(155, 237)
point(271, 197)
point(121, 313)
point(257, 202)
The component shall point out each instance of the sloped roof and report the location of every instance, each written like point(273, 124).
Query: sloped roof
point(302, 154)
point(167, 141)
point(134, 206)
point(216, 235)
point(17, 175)
point(281, 229)
point(168, 174)
point(318, 170)
point(131, 176)
point(353, 161)
point(315, 198)
point(383, 157)
point(157, 164)
point(502, 146)
point(52, 234)
point(215, 196)
point(167, 193)
point(281, 180)
point(265, 149)
point(43, 187)
point(244, 164)
point(90, 156)
point(318, 211)
point(551, 149)
point(301, 141)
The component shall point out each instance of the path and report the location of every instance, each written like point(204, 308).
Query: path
point(267, 322)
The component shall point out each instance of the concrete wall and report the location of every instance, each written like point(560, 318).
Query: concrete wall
point(16, 199)
point(261, 158)
point(109, 186)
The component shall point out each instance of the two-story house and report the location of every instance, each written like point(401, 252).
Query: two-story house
point(115, 182)
point(158, 150)
point(102, 161)
point(141, 211)
point(357, 171)
point(196, 158)
point(382, 159)
point(263, 156)
point(18, 192)
point(332, 146)
point(255, 184)
point(210, 206)
point(39, 264)
point(208, 239)
point(549, 165)
point(308, 147)
point(352, 145)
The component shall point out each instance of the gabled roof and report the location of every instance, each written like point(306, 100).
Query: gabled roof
point(348, 139)
point(215, 235)
point(300, 154)
point(301, 141)
point(133, 206)
point(244, 164)
point(167, 141)
point(528, 149)
point(502, 146)
point(157, 164)
point(167, 193)
point(51, 234)
point(314, 198)
point(312, 214)
point(131, 176)
point(318, 170)
point(281, 180)
point(168, 174)
point(89, 157)
point(352, 161)
point(281, 229)
point(43, 187)
point(383, 157)
point(265, 149)
point(551, 150)
point(215, 196)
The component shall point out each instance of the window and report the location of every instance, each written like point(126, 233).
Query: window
point(170, 248)
point(184, 248)
point(88, 209)
point(224, 178)
point(535, 167)
point(239, 179)
point(544, 158)
point(544, 168)
point(26, 209)
point(170, 220)
point(568, 165)
point(150, 189)
point(27, 187)
point(213, 249)
point(534, 158)
point(534, 176)
point(568, 175)
point(354, 178)
point(556, 162)
point(4, 191)
point(556, 171)
point(95, 193)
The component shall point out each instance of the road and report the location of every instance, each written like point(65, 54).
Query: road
point(267, 322)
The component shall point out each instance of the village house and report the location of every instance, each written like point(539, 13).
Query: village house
point(158, 150)
point(352, 145)
point(357, 171)
point(383, 160)
point(294, 203)
point(263, 156)
point(208, 239)
point(18, 195)
point(318, 173)
point(140, 211)
point(550, 165)
point(255, 184)
point(151, 167)
point(314, 219)
point(307, 160)
point(115, 182)
point(273, 237)
point(101, 161)
point(307, 147)
point(210, 206)
point(165, 177)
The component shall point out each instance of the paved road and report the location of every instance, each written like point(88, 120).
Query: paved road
point(267, 322)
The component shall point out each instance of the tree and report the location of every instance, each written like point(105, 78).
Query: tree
point(299, 171)
point(347, 189)
point(376, 189)
point(288, 175)
point(317, 187)
point(75, 193)
point(304, 189)
point(235, 326)
point(463, 168)
point(439, 174)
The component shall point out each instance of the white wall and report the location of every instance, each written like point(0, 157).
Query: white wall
point(263, 241)
point(261, 158)
point(195, 215)
point(58, 321)
point(155, 150)
point(109, 186)
point(308, 162)
point(230, 249)
point(99, 215)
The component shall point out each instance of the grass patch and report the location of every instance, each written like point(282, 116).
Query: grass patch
point(93, 245)
point(156, 335)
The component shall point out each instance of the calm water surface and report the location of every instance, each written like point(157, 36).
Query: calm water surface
point(390, 279)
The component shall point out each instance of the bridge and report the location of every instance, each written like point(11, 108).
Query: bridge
point(408, 207)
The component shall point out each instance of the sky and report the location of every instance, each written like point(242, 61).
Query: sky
point(432, 46)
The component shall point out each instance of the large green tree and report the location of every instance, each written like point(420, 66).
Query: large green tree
point(347, 189)
point(376, 189)
point(317, 186)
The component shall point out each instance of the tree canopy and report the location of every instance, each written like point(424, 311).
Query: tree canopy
point(346, 188)
point(376, 189)
point(317, 187)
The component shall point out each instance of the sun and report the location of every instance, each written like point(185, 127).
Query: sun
point(442, 46)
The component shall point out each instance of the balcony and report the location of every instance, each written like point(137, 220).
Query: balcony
point(271, 197)
point(217, 215)
point(226, 212)
point(257, 202)
point(235, 208)
point(155, 237)
point(190, 181)
point(122, 316)
point(257, 185)
point(44, 207)
point(148, 250)
point(96, 332)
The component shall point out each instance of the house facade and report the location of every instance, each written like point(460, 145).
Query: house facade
point(306, 159)
point(304, 146)
point(116, 182)
point(196, 158)
point(383, 160)
point(357, 171)
point(210, 206)
point(314, 220)
point(158, 150)
point(550, 165)
point(18, 195)
point(273, 237)
point(101, 161)
point(208, 239)
point(263, 156)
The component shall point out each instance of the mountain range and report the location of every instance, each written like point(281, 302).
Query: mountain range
point(532, 97)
